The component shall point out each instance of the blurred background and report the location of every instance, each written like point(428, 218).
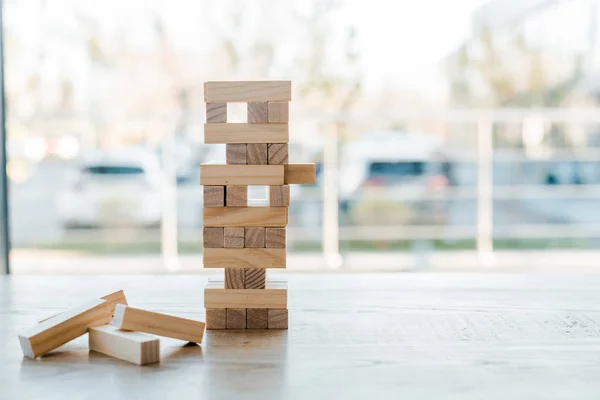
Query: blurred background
point(460, 134)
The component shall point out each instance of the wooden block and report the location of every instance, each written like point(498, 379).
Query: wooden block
point(246, 133)
point(222, 174)
point(257, 318)
point(237, 196)
point(113, 299)
point(303, 174)
point(256, 153)
point(214, 196)
point(234, 238)
point(247, 91)
point(273, 296)
point(255, 278)
point(216, 113)
point(254, 237)
point(277, 153)
point(134, 319)
point(279, 111)
point(278, 318)
point(279, 196)
point(236, 318)
point(235, 153)
point(64, 327)
point(258, 112)
point(244, 258)
point(137, 348)
point(216, 318)
point(275, 238)
point(213, 238)
point(235, 278)
point(245, 216)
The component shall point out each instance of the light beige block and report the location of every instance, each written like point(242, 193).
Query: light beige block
point(244, 258)
point(257, 318)
point(245, 216)
point(214, 196)
point(235, 278)
point(247, 91)
point(236, 318)
point(255, 278)
point(256, 153)
point(235, 153)
point(303, 174)
point(273, 296)
point(277, 153)
point(223, 174)
point(278, 318)
point(134, 347)
point(279, 196)
point(216, 113)
point(275, 238)
point(279, 111)
point(234, 238)
point(216, 318)
point(246, 133)
point(113, 299)
point(258, 112)
point(254, 237)
point(237, 196)
point(213, 237)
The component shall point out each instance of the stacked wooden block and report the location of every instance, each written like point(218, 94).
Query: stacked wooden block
point(246, 239)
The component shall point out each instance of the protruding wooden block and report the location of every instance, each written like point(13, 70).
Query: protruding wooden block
point(256, 153)
point(245, 216)
point(134, 319)
point(244, 258)
point(236, 318)
point(257, 318)
point(302, 174)
point(64, 327)
point(279, 111)
point(273, 296)
point(278, 318)
point(275, 238)
point(134, 347)
point(254, 236)
point(214, 196)
point(216, 113)
point(213, 238)
point(235, 153)
point(258, 111)
point(216, 318)
point(246, 91)
point(113, 299)
point(223, 174)
point(277, 153)
point(255, 278)
point(235, 278)
point(246, 133)
point(234, 238)
point(279, 196)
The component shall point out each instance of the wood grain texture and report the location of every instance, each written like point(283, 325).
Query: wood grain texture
point(235, 153)
point(247, 91)
point(273, 296)
point(236, 195)
point(258, 112)
point(236, 318)
point(234, 238)
point(222, 174)
point(235, 278)
point(246, 133)
point(244, 258)
point(277, 154)
point(135, 319)
point(245, 216)
point(279, 196)
point(134, 347)
point(255, 278)
point(257, 318)
point(256, 153)
point(275, 238)
point(278, 318)
point(213, 237)
point(304, 174)
point(216, 318)
point(112, 299)
point(214, 196)
point(216, 113)
point(279, 111)
point(254, 237)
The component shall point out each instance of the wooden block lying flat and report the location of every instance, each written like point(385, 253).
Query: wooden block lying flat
point(234, 238)
point(273, 296)
point(237, 196)
point(277, 153)
point(303, 174)
point(113, 299)
point(255, 278)
point(216, 113)
point(235, 153)
point(279, 111)
point(256, 153)
point(222, 174)
point(134, 319)
point(235, 278)
point(213, 238)
point(254, 237)
point(216, 318)
point(236, 318)
point(246, 133)
point(245, 216)
point(275, 238)
point(214, 196)
point(247, 91)
point(278, 318)
point(279, 196)
point(257, 318)
point(258, 111)
point(244, 258)
point(64, 327)
point(135, 347)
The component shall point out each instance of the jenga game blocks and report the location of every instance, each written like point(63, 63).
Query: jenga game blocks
point(243, 239)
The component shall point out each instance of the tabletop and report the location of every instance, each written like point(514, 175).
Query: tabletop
point(421, 335)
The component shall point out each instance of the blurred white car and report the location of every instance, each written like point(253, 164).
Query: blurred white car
point(113, 189)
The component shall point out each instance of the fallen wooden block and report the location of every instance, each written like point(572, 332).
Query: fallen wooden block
point(244, 258)
point(247, 91)
point(134, 319)
point(135, 347)
point(236, 318)
point(216, 318)
point(223, 174)
point(113, 299)
point(303, 174)
point(279, 111)
point(273, 296)
point(64, 327)
point(278, 318)
point(245, 216)
point(246, 133)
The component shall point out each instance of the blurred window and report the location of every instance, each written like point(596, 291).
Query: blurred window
point(113, 170)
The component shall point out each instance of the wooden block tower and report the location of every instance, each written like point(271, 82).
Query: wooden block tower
point(243, 238)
